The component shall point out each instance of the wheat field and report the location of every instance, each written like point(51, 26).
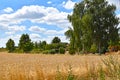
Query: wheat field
point(45, 67)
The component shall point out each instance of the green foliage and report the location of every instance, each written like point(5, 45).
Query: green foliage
point(42, 45)
point(56, 47)
point(17, 50)
point(36, 46)
point(113, 47)
point(71, 51)
point(10, 45)
point(70, 74)
point(93, 48)
point(25, 43)
point(28, 47)
point(96, 22)
point(52, 51)
point(61, 76)
point(36, 51)
point(101, 73)
point(61, 50)
point(56, 40)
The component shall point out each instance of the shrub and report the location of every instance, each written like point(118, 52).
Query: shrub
point(114, 48)
point(61, 50)
point(93, 48)
point(72, 51)
point(45, 52)
point(36, 51)
point(112, 67)
point(17, 50)
point(52, 51)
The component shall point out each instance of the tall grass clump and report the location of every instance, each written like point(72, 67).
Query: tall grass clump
point(112, 67)
point(65, 76)
point(109, 69)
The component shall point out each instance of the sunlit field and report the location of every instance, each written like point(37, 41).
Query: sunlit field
point(54, 67)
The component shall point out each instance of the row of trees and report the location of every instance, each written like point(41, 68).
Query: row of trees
point(26, 45)
point(94, 26)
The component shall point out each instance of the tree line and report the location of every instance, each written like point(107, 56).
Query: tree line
point(26, 46)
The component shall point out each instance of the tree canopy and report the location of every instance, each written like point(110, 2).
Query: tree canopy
point(25, 43)
point(56, 40)
point(10, 45)
point(93, 22)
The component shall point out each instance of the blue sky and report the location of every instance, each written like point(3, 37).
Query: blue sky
point(41, 19)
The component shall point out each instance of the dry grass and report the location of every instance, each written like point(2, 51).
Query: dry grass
point(48, 67)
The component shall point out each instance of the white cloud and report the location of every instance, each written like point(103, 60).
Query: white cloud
point(36, 14)
point(30, 12)
point(16, 28)
point(63, 39)
point(49, 2)
point(8, 10)
point(37, 29)
point(12, 29)
point(10, 33)
point(69, 4)
point(35, 37)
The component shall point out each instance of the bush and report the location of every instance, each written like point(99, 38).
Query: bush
point(45, 52)
point(72, 51)
point(36, 51)
point(114, 48)
point(93, 48)
point(17, 50)
point(53, 51)
point(61, 50)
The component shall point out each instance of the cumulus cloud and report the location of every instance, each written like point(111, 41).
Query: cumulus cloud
point(16, 28)
point(10, 33)
point(36, 14)
point(35, 37)
point(30, 12)
point(8, 10)
point(37, 29)
point(69, 4)
point(12, 29)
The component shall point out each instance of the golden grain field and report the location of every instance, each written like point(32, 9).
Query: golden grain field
point(44, 67)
